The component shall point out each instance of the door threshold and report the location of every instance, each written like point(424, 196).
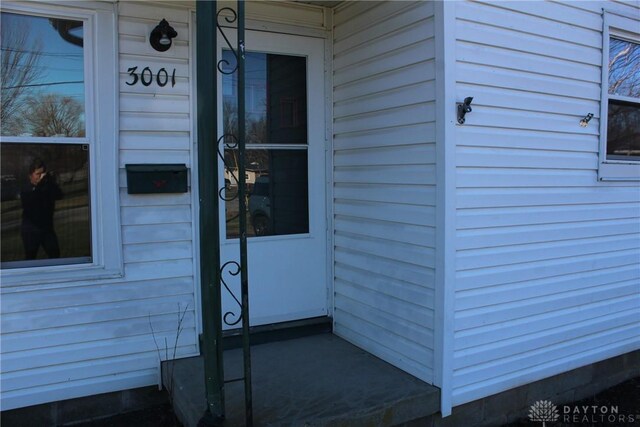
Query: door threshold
point(282, 331)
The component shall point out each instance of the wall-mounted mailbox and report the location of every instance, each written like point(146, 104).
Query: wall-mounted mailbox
point(156, 178)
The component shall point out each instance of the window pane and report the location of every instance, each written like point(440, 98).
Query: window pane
point(624, 68)
point(42, 76)
point(45, 204)
point(623, 131)
point(277, 193)
point(276, 98)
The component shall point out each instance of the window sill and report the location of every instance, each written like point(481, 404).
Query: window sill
point(619, 172)
point(57, 274)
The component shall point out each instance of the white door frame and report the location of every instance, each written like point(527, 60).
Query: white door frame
point(310, 272)
point(326, 37)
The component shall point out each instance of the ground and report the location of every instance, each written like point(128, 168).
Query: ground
point(156, 416)
point(625, 396)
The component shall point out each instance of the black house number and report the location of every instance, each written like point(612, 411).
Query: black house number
point(146, 77)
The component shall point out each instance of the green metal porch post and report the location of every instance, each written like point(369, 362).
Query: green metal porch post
point(244, 263)
point(209, 221)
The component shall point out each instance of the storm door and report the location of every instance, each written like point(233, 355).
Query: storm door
point(285, 177)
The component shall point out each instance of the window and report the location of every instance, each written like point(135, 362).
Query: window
point(620, 110)
point(58, 216)
point(277, 145)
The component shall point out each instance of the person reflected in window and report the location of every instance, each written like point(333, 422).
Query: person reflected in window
point(38, 205)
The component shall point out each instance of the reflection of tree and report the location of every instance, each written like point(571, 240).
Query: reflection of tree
point(54, 115)
point(63, 159)
point(19, 68)
point(230, 119)
point(255, 128)
point(623, 129)
point(624, 68)
point(623, 133)
point(256, 131)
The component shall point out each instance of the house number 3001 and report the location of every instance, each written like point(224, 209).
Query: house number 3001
point(146, 77)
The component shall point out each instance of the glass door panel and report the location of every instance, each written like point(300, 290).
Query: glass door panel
point(285, 175)
point(277, 137)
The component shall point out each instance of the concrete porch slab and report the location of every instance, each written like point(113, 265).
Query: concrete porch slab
point(319, 380)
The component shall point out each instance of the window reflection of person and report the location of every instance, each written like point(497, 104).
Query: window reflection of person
point(38, 205)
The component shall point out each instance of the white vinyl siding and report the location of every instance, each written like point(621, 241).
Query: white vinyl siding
point(85, 337)
point(384, 180)
point(548, 273)
point(68, 340)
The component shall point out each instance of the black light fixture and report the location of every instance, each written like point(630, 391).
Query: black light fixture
point(464, 108)
point(585, 120)
point(160, 38)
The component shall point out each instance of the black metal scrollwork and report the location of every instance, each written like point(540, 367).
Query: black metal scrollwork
point(230, 19)
point(233, 270)
point(226, 144)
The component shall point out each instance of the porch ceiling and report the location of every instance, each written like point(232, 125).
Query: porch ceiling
point(329, 4)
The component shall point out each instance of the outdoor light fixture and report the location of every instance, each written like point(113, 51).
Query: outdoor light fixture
point(464, 108)
point(585, 120)
point(160, 38)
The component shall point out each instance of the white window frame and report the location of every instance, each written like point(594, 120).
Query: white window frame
point(101, 100)
point(614, 170)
